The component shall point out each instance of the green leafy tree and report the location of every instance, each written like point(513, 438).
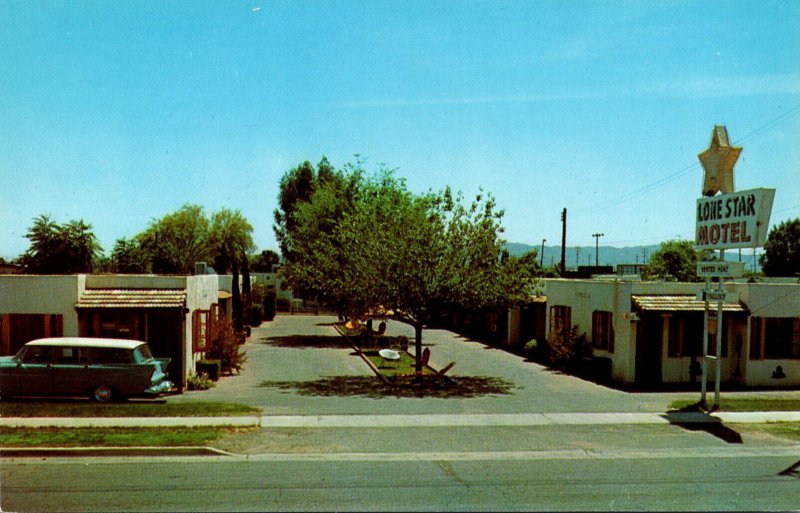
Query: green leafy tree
point(263, 262)
point(375, 245)
point(676, 260)
point(176, 241)
point(230, 238)
point(61, 249)
point(525, 273)
point(296, 188)
point(128, 257)
point(782, 250)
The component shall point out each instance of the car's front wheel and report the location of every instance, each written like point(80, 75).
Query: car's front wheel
point(101, 394)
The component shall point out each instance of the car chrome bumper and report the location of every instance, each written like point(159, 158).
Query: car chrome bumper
point(164, 386)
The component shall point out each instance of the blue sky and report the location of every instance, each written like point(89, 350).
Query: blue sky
point(118, 113)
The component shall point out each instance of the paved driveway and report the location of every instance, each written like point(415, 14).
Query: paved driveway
point(300, 349)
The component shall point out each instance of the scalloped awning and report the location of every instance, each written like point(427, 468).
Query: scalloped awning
point(680, 303)
point(132, 298)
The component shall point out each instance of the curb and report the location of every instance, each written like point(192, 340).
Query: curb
point(126, 422)
point(109, 452)
point(401, 420)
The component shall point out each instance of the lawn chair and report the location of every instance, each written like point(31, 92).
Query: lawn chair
point(389, 356)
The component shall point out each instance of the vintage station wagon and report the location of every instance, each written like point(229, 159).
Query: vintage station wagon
point(103, 369)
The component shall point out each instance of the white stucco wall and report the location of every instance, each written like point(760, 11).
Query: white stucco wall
point(202, 291)
point(778, 300)
point(39, 294)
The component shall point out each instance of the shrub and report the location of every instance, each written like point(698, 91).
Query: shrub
point(269, 306)
point(567, 350)
point(256, 313)
point(531, 348)
point(283, 304)
point(224, 345)
point(200, 381)
point(210, 368)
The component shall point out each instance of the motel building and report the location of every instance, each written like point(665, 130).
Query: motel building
point(650, 334)
point(168, 312)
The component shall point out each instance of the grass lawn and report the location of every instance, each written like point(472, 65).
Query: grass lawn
point(787, 430)
point(747, 404)
point(113, 437)
point(76, 408)
point(403, 367)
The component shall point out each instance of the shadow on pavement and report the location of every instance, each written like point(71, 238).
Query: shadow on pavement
point(793, 471)
point(368, 386)
point(307, 342)
point(693, 418)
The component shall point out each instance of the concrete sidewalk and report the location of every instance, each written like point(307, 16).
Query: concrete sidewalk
point(417, 420)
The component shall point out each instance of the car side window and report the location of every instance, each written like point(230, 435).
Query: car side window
point(66, 355)
point(107, 355)
point(121, 356)
point(38, 354)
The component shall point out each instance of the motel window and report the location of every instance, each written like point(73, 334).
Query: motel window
point(17, 329)
point(774, 338)
point(560, 319)
point(200, 330)
point(602, 331)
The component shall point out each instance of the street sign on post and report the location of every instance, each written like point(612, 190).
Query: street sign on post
point(718, 295)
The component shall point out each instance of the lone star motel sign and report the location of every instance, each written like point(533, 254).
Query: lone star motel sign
point(730, 219)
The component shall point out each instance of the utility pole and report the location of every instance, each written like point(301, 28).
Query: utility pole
point(597, 248)
point(541, 257)
point(563, 241)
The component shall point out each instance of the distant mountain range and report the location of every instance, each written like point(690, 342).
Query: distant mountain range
point(585, 255)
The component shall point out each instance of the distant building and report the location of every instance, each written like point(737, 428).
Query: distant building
point(11, 269)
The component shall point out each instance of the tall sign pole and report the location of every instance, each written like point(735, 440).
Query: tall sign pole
point(725, 219)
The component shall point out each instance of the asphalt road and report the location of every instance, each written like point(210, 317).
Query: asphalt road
point(468, 481)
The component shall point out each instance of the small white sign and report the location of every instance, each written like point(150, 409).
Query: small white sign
point(720, 269)
point(718, 295)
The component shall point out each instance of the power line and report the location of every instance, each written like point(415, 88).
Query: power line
point(605, 205)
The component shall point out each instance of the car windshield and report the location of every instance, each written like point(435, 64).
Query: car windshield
point(142, 354)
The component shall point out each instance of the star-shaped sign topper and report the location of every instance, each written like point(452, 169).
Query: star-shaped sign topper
point(718, 161)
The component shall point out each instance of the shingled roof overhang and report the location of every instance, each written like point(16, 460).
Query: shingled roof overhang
point(680, 303)
point(132, 298)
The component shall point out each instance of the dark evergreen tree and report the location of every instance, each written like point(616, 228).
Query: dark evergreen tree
point(236, 301)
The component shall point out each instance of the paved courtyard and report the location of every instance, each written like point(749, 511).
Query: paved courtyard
point(300, 349)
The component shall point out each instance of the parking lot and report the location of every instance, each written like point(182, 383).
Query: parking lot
point(286, 355)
